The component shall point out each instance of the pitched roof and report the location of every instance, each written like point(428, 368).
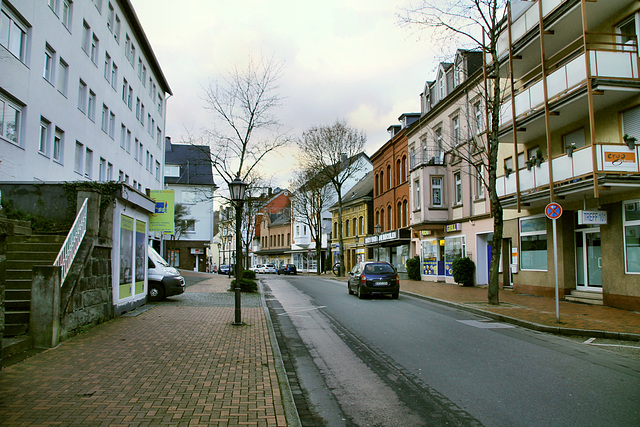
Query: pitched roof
point(194, 162)
point(363, 189)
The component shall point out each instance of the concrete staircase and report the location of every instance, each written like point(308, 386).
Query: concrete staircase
point(584, 297)
point(24, 252)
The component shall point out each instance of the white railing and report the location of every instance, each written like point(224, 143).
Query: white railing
point(72, 242)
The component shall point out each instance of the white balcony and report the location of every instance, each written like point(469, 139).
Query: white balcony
point(610, 158)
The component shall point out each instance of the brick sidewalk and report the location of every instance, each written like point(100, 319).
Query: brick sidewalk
point(170, 365)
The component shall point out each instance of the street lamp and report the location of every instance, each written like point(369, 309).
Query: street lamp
point(378, 230)
point(237, 189)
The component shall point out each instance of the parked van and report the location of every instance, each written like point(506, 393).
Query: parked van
point(164, 280)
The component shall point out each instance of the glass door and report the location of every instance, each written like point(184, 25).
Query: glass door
point(588, 260)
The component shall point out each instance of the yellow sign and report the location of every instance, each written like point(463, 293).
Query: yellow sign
point(162, 219)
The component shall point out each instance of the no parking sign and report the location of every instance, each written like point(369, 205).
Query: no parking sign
point(553, 210)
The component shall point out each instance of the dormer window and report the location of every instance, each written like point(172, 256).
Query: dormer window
point(172, 171)
point(441, 87)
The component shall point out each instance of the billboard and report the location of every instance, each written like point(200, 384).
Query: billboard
point(162, 218)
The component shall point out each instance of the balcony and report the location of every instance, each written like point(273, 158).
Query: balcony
point(613, 159)
point(430, 157)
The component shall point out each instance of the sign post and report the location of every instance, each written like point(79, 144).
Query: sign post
point(553, 211)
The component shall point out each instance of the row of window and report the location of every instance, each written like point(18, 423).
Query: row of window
point(387, 221)
point(437, 189)
point(276, 240)
point(402, 175)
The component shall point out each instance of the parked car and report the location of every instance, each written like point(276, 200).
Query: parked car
point(162, 279)
point(269, 268)
point(224, 269)
point(287, 269)
point(257, 268)
point(371, 277)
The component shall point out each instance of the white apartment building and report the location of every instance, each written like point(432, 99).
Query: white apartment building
point(82, 96)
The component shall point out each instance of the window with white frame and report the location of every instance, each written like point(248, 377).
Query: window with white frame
point(95, 45)
point(63, 77)
point(105, 119)
point(10, 120)
point(457, 178)
point(455, 130)
point(58, 145)
point(54, 4)
point(157, 174)
point(47, 72)
point(631, 224)
point(82, 96)
point(533, 243)
point(128, 141)
point(416, 195)
point(190, 226)
point(45, 135)
point(116, 30)
point(107, 66)
point(67, 13)
point(111, 16)
point(86, 37)
point(480, 181)
point(13, 34)
point(436, 191)
point(123, 135)
point(79, 158)
point(112, 125)
point(91, 108)
point(88, 164)
point(454, 248)
point(477, 112)
point(102, 170)
point(114, 75)
point(109, 171)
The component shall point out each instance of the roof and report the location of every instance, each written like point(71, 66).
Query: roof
point(194, 162)
point(363, 189)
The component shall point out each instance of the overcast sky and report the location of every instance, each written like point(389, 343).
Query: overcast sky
point(343, 59)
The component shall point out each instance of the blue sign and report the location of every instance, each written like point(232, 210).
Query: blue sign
point(553, 210)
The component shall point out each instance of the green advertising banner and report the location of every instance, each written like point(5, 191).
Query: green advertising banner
point(126, 257)
point(162, 219)
point(141, 232)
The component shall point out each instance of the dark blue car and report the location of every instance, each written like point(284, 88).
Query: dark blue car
point(287, 269)
point(371, 277)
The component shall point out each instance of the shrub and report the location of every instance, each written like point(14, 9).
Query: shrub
point(246, 285)
point(413, 268)
point(249, 274)
point(462, 269)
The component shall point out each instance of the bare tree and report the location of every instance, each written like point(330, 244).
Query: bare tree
point(180, 218)
point(311, 197)
point(478, 23)
point(334, 152)
point(245, 127)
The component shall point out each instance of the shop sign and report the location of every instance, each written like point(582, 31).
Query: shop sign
point(391, 235)
point(424, 233)
point(454, 227)
point(616, 158)
point(592, 217)
point(197, 251)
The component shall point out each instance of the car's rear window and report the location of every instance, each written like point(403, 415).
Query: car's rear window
point(378, 269)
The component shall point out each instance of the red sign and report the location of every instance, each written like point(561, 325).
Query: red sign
point(553, 210)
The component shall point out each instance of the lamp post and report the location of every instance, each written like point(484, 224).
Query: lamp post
point(357, 240)
point(378, 230)
point(236, 190)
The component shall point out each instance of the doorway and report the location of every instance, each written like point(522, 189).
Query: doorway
point(589, 260)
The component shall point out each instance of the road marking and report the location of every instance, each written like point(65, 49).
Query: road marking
point(486, 325)
point(302, 310)
point(590, 341)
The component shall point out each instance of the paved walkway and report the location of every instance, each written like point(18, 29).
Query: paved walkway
point(181, 362)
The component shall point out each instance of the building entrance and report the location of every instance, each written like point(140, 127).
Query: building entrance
point(588, 260)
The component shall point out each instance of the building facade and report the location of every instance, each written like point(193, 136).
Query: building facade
point(450, 214)
point(82, 95)
point(568, 133)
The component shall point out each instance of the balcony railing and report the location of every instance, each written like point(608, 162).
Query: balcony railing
point(433, 157)
point(610, 158)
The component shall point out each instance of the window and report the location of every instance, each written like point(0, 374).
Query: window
point(533, 243)
point(455, 130)
point(159, 137)
point(114, 75)
point(631, 122)
point(107, 66)
point(86, 36)
point(508, 165)
point(102, 170)
point(454, 248)
point(112, 125)
point(48, 64)
point(123, 133)
point(98, 4)
point(13, 35)
point(480, 181)
point(346, 231)
point(477, 112)
point(105, 118)
point(53, 4)
point(141, 150)
point(160, 105)
point(43, 145)
point(457, 178)
point(389, 217)
point(88, 163)
point(91, 113)
point(109, 171)
point(63, 77)
point(82, 96)
point(130, 98)
point(389, 185)
point(436, 191)
point(574, 139)
point(125, 87)
point(66, 13)
point(172, 171)
point(10, 115)
point(157, 170)
point(95, 45)
point(190, 226)
point(128, 141)
point(142, 114)
point(116, 30)
point(631, 223)
point(416, 194)
point(58, 145)
point(79, 157)
point(111, 14)
point(138, 108)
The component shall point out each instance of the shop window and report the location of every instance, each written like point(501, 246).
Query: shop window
point(632, 236)
point(533, 243)
point(454, 248)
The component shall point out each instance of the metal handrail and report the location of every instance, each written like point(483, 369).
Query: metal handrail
point(72, 242)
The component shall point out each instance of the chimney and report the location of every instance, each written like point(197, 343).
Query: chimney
point(167, 144)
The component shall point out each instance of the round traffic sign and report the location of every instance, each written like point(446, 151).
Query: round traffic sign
point(553, 210)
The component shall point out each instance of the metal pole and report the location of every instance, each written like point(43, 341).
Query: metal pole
point(555, 256)
point(238, 309)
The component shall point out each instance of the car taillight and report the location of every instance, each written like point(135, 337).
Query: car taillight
point(363, 278)
point(397, 278)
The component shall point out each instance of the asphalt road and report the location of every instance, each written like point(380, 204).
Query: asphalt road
point(384, 362)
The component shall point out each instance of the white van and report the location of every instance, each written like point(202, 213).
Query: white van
point(163, 280)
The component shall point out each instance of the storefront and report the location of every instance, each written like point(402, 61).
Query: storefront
point(393, 247)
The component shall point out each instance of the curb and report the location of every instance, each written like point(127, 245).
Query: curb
point(558, 330)
point(290, 409)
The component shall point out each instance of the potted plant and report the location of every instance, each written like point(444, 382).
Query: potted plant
point(530, 162)
point(630, 141)
point(539, 157)
point(507, 171)
point(570, 149)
